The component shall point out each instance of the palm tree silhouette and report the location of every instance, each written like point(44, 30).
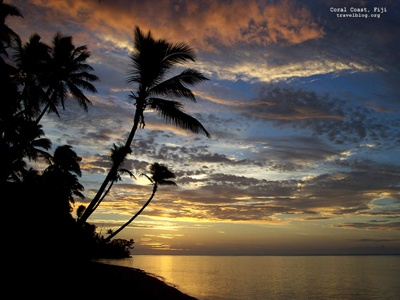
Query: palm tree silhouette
point(61, 178)
point(151, 61)
point(31, 60)
point(7, 35)
point(159, 176)
point(20, 139)
point(67, 73)
point(117, 156)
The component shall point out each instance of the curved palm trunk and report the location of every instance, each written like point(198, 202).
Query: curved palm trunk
point(133, 218)
point(105, 194)
point(94, 203)
point(111, 174)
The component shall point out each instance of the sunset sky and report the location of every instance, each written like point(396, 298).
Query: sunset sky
point(302, 106)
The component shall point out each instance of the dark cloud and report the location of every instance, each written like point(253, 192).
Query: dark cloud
point(374, 240)
point(317, 218)
point(298, 149)
point(334, 119)
point(369, 226)
point(285, 167)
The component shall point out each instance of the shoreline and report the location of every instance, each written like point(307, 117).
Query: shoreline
point(87, 280)
point(132, 281)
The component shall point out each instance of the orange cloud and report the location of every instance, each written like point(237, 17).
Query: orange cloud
point(200, 23)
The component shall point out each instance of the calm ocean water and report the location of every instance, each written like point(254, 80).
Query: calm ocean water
point(275, 277)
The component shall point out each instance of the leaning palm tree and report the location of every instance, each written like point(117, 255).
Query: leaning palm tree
point(67, 73)
point(151, 61)
point(117, 156)
point(159, 176)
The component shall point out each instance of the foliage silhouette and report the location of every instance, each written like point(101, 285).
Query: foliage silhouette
point(117, 156)
point(67, 73)
point(159, 176)
point(61, 176)
point(32, 60)
point(151, 61)
point(43, 75)
point(7, 36)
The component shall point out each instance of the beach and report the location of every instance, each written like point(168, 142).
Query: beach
point(89, 280)
point(131, 282)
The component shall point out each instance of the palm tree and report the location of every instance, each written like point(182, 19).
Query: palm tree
point(7, 35)
point(67, 73)
point(159, 176)
point(19, 139)
point(61, 179)
point(151, 61)
point(31, 60)
point(117, 156)
point(9, 88)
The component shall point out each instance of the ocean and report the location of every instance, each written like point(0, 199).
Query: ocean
point(275, 277)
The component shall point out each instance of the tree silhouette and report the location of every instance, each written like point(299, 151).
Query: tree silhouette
point(7, 35)
point(20, 139)
point(61, 179)
point(32, 61)
point(151, 61)
point(67, 73)
point(117, 156)
point(159, 176)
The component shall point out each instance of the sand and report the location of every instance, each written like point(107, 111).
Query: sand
point(89, 280)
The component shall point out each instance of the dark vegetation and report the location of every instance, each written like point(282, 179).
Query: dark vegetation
point(37, 78)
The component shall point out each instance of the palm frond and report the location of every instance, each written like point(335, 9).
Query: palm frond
point(178, 54)
point(176, 86)
point(167, 182)
point(172, 113)
point(82, 80)
point(118, 154)
point(7, 35)
point(66, 159)
point(152, 58)
point(78, 95)
point(151, 180)
point(126, 172)
point(159, 174)
point(43, 143)
point(9, 10)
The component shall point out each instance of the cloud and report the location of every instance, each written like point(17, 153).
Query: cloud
point(293, 150)
point(369, 48)
point(374, 240)
point(302, 38)
point(368, 226)
point(337, 120)
point(199, 23)
point(317, 218)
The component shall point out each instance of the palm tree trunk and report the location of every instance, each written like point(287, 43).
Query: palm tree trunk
point(134, 217)
point(113, 171)
point(93, 204)
point(42, 113)
point(48, 92)
point(105, 194)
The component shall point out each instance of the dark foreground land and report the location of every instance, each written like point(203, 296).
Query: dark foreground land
point(92, 280)
point(136, 283)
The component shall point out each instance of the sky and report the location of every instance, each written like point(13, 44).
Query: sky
point(303, 110)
